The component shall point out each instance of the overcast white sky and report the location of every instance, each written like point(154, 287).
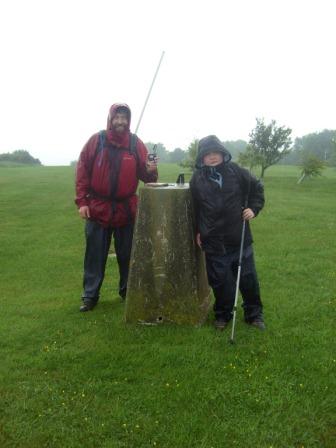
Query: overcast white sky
point(64, 62)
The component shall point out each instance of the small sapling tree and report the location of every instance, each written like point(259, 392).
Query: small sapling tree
point(312, 166)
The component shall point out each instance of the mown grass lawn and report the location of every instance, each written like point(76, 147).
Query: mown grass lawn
point(87, 380)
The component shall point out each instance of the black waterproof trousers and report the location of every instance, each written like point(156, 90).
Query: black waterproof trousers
point(98, 241)
point(222, 275)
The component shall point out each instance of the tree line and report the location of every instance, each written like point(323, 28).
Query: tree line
point(19, 156)
point(182, 156)
point(269, 144)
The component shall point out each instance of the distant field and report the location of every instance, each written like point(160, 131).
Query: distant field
point(86, 380)
point(7, 164)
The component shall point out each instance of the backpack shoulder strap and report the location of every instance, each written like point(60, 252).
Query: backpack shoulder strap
point(99, 149)
point(100, 146)
point(133, 147)
point(101, 142)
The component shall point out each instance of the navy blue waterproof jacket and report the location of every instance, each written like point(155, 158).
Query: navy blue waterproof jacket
point(218, 209)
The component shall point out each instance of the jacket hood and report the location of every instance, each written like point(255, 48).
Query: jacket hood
point(211, 143)
point(118, 107)
point(118, 140)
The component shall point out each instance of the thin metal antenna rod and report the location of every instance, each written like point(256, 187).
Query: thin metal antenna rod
point(149, 92)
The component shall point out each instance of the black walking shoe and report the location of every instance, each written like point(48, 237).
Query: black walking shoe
point(87, 307)
point(220, 324)
point(122, 294)
point(258, 323)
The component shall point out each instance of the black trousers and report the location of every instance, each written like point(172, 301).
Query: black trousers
point(98, 241)
point(222, 275)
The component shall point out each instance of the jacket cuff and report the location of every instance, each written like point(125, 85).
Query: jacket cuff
point(255, 211)
point(152, 177)
point(81, 202)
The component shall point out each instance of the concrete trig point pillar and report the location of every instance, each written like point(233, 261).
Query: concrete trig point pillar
point(167, 280)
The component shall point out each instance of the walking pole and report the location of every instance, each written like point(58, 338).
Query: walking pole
point(241, 250)
point(238, 281)
point(149, 92)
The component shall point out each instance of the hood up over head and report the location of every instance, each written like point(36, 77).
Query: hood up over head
point(117, 139)
point(211, 143)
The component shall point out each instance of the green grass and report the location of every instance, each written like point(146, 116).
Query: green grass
point(86, 380)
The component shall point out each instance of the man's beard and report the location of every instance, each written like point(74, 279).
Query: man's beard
point(119, 129)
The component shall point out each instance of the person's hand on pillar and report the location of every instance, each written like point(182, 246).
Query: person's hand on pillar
point(198, 240)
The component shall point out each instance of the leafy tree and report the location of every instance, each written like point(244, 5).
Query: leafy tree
point(177, 155)
point(190, 160)
point(19, 156)
point(311, 167)
point(269, 144)
point(248, 158)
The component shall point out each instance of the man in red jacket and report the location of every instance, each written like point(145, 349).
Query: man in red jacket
point(108, 171)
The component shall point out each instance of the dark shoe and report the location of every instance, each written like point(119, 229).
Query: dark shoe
point(220, 324)
point(122, 294)
point(87, 307)
point(259, 323)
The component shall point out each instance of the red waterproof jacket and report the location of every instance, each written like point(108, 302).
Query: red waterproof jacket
point(107, 178)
